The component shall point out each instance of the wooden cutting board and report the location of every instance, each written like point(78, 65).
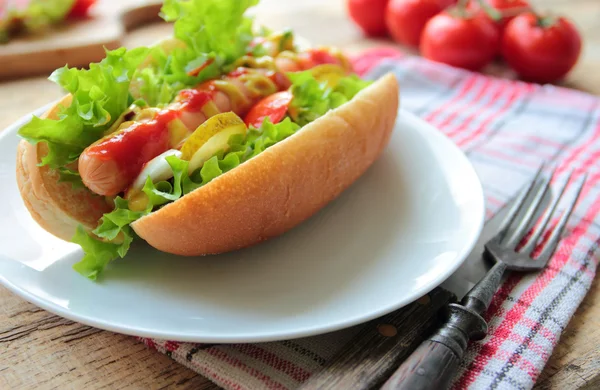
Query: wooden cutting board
point(77, 43)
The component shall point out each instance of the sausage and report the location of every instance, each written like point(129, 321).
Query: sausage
point(109, 165)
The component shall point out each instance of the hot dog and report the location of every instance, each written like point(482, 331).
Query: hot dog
point(246, 137)
point(109, 165)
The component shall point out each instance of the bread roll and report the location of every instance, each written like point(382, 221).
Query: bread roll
point(56, 206)
point(260, 199)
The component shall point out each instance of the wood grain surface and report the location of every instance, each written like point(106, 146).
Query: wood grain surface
point(371, 356)
point(42, 351)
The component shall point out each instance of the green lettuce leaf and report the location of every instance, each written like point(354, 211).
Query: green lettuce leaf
point(109, 241)
point(165, 192)
point(312, 99)
point(115, 225)
point(97, 254)
point(151, 84)
point(215, 33)
point(212, 27)
point(100, 95)
point(68, 176)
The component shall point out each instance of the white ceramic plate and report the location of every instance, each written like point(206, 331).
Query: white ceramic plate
point(397, 233)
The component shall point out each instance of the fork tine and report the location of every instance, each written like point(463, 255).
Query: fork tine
point(518, 227)
point(520, 201)
point(531, 244)
point(548, 251)
point(515, 234)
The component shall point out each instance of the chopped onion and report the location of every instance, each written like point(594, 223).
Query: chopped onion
point(158, 169)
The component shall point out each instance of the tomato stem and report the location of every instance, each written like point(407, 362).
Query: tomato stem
point(492, 12)
point(462, 4)
point(460, 9)
point(514, 11)
point(546, 21)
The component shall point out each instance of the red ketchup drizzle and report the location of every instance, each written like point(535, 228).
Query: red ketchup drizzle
point(194, 99)
point(133, 147)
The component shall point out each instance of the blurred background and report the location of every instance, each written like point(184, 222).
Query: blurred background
point(39, 36)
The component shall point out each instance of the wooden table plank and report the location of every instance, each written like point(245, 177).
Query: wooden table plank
point(40, 350)
point(43, 351)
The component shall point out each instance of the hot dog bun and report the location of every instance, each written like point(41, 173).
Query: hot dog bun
point(282, 186)
point(55, 205)
point(262, 198)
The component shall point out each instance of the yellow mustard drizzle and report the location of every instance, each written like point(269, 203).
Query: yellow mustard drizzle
point(178, 132)
point(264, 62)
point(125, 125)
point(336, 53)
point(281, 41)
point(210, 109)
point(118, 124)
point(233, 92)
point(147, 114)
point(286, 42)
point(138, 201)
point(289, 55)
point(258, 84)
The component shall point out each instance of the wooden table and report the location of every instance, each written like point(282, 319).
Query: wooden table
point(41, 350)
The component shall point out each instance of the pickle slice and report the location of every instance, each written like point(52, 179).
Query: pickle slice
point(211, 137)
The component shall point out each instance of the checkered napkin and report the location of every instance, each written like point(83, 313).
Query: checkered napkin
point(506, 128)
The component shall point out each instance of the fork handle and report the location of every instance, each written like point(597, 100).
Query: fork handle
point(480, 296)
point(430, 366)
point(433, 364)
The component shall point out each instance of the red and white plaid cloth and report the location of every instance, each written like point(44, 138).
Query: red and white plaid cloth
point(506, 128)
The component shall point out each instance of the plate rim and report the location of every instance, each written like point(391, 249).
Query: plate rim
point(288, 334)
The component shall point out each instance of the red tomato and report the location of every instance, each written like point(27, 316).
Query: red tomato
point(539, 49)
point(80, 8)
point(273, 106)
point(466, 41)
point(508, 8)
point(405, 19)
point(369, 15)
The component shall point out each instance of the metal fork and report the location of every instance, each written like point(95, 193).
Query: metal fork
point(433, 364)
